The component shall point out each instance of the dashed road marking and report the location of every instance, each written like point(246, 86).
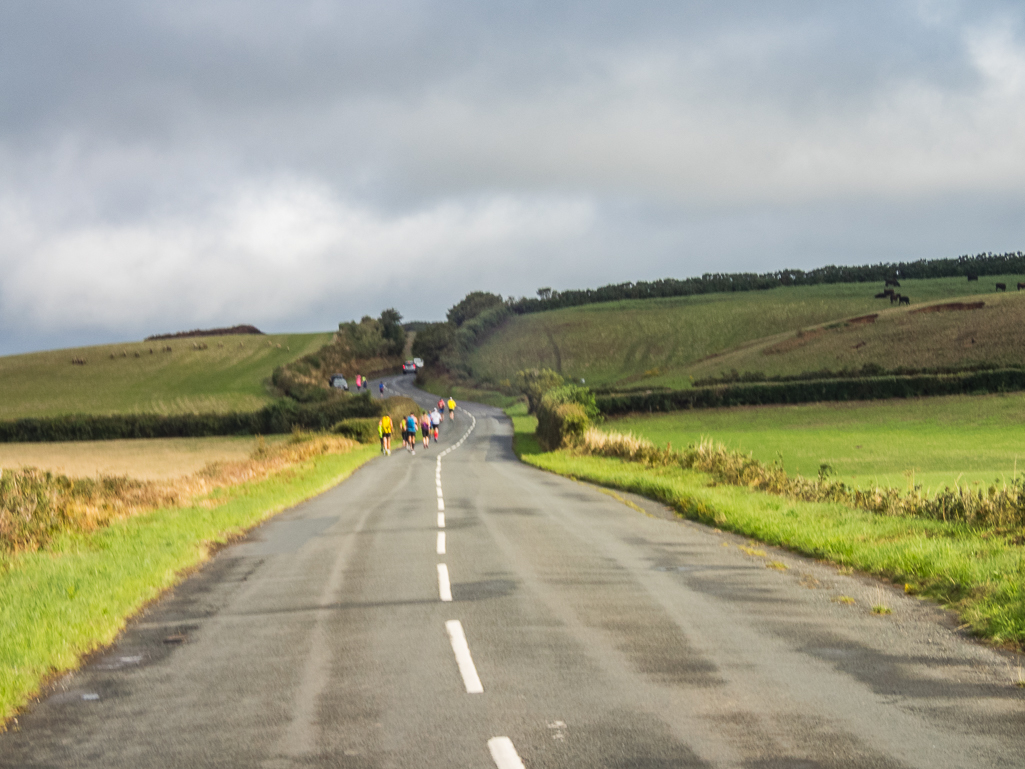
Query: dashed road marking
point(504, 754)
point(444, 586)
point(441, 520)
point(463, 659)
point(441, 543)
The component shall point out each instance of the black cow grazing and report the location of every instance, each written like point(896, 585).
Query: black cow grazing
point(1021, 286)
point(904, 300)
point(888, 292)
point(894, 298)
point(893, 282)
point(882, 295)
point(972, 276)
point(1001, 286)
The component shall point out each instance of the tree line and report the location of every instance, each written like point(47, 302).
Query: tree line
point(479, 312)
point(713, 283)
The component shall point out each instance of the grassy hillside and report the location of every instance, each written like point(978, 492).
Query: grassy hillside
point(933, 442)
point(660, 341)
point(229, 374)
point(973, 330)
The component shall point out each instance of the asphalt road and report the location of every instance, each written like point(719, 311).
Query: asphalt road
point(581, 631)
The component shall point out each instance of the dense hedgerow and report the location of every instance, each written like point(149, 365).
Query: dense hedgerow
point(1001, 507)
point(853, 389)
point(280, 417)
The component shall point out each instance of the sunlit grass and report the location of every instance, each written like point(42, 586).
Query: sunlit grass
point(659, 342)
point(930, 442)
point(229, 374)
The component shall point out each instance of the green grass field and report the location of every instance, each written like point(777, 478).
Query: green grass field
point(931, 441)
point(661, 342)
point(228, 375)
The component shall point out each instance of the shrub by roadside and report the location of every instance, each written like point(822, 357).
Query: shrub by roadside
point(563, 415)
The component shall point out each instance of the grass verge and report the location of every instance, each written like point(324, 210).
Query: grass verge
point(59, 605)
point(977, 573)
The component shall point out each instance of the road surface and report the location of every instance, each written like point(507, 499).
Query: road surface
point(461, 609)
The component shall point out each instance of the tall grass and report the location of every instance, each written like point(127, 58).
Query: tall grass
point(36, 506)
point(1002, 507)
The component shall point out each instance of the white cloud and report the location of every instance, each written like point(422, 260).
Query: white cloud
point(267, 251)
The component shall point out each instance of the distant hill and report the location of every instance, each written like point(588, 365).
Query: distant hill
point(666, 342)
point(168, 376)
point(208, 332)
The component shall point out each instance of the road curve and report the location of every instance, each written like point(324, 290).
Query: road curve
point(475, 612)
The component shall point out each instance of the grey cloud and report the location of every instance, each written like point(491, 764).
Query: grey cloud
point(167, 165)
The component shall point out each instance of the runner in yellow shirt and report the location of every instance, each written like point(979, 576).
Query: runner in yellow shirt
point(385, 427)
point(451, 407)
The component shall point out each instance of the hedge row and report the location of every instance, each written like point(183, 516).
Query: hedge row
point(279, 417)
point(854, 389)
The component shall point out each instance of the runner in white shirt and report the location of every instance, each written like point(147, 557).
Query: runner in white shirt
point(435, 421)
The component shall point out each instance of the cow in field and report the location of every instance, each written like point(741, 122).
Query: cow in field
point(881, 296)
point(1001, 286)
point(1021, 286)
point(904, 300)
point(893, 282)
point(972, 276)
point(894, 298)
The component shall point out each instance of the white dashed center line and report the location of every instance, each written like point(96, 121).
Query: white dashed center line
point(463, 659)
point(444, 586)
point(441, 543)
point(504, 754)
point(441, 520)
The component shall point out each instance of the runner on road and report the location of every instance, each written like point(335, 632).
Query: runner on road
point(441, 406)
point(386, 434)
point(435, 421)
point(425, 428)
point(451, 407)
point(381, 386)
point(411, 432)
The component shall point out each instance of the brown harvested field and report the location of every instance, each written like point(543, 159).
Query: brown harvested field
point(151, 459)
point(986, 329)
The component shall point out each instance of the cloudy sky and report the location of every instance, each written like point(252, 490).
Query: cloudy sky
point(174, 165)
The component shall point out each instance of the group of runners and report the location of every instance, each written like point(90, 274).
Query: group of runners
point(428, 425)
point(362, 383)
